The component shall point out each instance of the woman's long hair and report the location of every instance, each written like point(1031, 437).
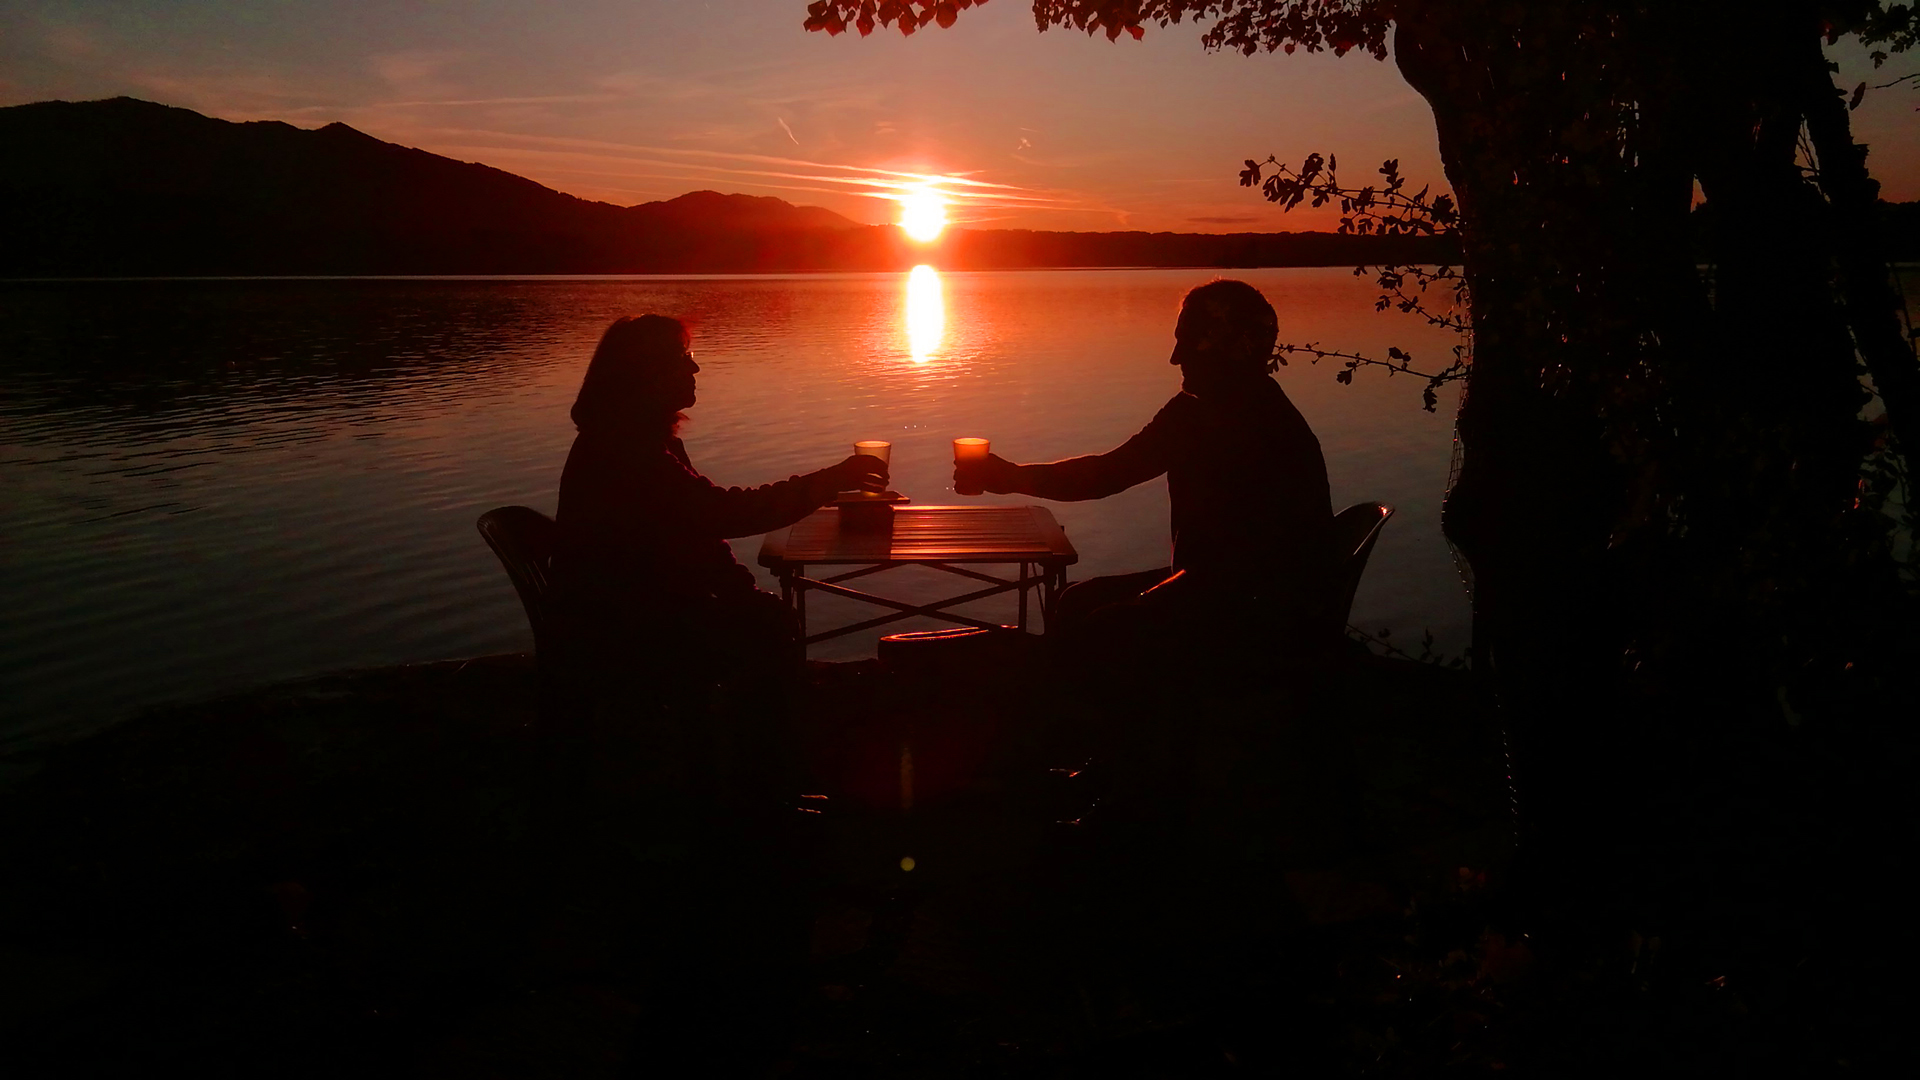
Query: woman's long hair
point(624, 388)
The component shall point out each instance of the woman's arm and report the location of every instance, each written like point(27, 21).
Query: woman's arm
point(735, 512)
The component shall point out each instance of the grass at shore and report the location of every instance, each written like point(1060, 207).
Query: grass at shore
point(402, 871)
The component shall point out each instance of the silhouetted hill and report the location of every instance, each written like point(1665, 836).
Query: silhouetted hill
point(703, 209)
point(1007, 249)
point(127, 187)
point(130, 187)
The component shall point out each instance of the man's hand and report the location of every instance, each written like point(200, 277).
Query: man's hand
point(993, 473)
point(857, 471)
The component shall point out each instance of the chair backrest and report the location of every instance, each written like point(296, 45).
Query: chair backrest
point(523, 539)
point(1355, 530)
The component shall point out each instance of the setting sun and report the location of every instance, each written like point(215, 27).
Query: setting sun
point(923, 213)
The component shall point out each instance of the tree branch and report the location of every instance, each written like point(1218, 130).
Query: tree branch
point(1398, 361)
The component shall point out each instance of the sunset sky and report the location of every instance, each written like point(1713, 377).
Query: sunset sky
point(634, 100)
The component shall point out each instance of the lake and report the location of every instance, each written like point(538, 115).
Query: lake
point(211, 485)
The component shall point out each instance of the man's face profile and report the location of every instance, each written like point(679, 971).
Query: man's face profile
point(1206, 349)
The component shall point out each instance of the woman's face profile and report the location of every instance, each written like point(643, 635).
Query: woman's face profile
point(641, 372)
point(678, 373)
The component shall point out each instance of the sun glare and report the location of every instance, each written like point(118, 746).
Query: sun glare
point(926, 313)
point(923, 213)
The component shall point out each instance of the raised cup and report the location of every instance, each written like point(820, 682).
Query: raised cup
point(967, 451)
point(875, 448)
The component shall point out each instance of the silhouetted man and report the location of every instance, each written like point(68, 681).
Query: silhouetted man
point(1253, 559)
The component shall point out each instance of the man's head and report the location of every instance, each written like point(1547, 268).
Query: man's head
point(1225, 335)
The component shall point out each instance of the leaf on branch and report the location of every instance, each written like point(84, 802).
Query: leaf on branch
point(1859, 92)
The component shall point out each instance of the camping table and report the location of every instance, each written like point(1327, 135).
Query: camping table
point(949, 538)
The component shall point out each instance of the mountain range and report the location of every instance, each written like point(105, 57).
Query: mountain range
point(123, 187)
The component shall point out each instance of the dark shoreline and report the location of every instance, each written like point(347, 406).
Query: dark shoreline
point(773, 275)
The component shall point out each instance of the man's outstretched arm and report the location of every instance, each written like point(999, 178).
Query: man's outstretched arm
point(1095, 476)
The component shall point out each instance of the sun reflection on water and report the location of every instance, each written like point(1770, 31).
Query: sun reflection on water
point(926, 313)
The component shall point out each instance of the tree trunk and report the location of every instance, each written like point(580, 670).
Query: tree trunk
point(1871, 302)
point(1774, 466)
point(1538, 491)
point(1650, 480)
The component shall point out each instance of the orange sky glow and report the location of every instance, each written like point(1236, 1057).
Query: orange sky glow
point(628, 101)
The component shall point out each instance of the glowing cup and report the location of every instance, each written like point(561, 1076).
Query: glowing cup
point(874, 448)
point(968, 451)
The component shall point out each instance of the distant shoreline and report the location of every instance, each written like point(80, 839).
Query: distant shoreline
point(770, 275)
point(763, 275)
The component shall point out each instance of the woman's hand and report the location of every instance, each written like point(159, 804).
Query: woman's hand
point(859, 470)
point(991, 473)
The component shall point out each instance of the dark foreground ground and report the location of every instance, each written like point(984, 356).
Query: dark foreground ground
point(400, 872)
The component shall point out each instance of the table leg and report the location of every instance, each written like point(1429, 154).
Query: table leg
point(800, 601)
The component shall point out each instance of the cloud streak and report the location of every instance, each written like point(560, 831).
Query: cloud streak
point(589, 157)
point(549, 99)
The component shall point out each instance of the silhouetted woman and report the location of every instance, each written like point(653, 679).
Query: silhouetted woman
point(642, 565)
